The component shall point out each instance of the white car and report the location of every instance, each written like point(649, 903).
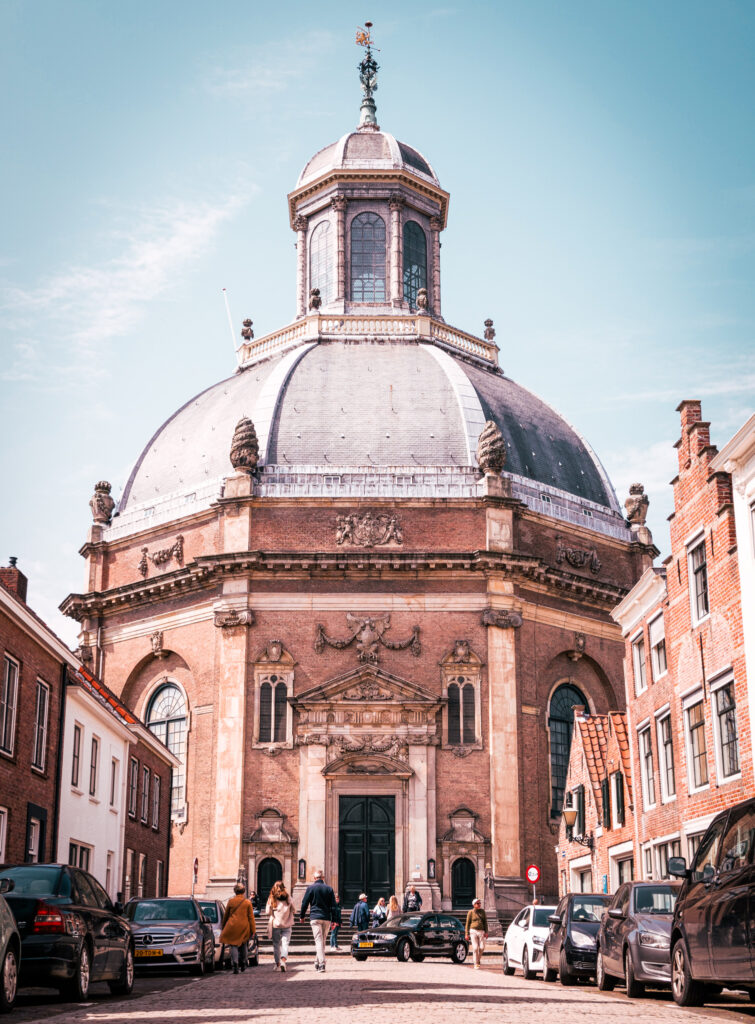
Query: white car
point(524, 940)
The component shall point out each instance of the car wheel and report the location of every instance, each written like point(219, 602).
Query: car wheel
point(125, 982)
point(403, 951)
point(459, 954)
point(77, 989)
point(605, 982)
point(361, 957)
point(527, 973)
point(507, 968)
point(199, 968)
point(565, 976)
point(635, 988)
point(549, 973)
point(8, 980)
point(684, 989)
point(418, 957)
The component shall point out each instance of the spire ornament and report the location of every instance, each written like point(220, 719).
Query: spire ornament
point(368, 68)
point(491, 449)
point(245, 448)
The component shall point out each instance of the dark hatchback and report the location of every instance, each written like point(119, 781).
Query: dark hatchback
point(713, 932)
point(413, 937)
point(70, 932)
point(571, 950)
point(635, 937)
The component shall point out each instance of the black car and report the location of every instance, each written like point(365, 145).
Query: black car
point(71, 934)
point(570, 949)
point(413, 937)
point(634, 940)
point(713, 932)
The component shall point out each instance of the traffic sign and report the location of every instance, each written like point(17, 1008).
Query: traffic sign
point(196, 866)
point(533, 874)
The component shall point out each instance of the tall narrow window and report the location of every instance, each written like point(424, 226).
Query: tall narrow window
point(579, 800)
point(145, 795)
point(698, 576)
point(76, 759)
point(666, 757)
point(646, 763)
point(160, 879)
point(454, 713)
point(128, 879)
point(133, 782)
point(605, 799)
point(462, 714)
point(155, 801)
point(141, 889)
point(109, 872)
point(368, 258)
point(41, 711)
point(638, 659)
point(657, 637)
point(93, 766)
point(698, 753)
point(279, 730)
point(726, 718)
point(468, 731)
point(321, 261)
point(3, 833)
point(415, 261)
point(167, 718)
point(561, 724)
point(618, 797)
point(113, 781)
point(273, 710)
point(8, 699)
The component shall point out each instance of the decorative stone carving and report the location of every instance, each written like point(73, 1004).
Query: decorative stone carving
point(436, 224)
point(637, 505)
point(367, 691)
point(489, 332)
point(422, 300)
point(461, 751)
point(84, 654)
point(491, 449)
point(101, 503)
point(502, 619)
point(396, 203)
point(234, 617)
point(156, 640)
point(315, 300)
point(163, 556)
point(368, 530)
point(460, 653)
point(271, 751)
point(245, 448)
point(274, 650)
point(580, 642)
point(338, 203)
point(368, 633)
point(367, 768)
point(246, 330)
point(300, 223)
point(579, 558)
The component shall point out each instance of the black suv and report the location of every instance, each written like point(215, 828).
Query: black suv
point(713, 932)
point(571, 949)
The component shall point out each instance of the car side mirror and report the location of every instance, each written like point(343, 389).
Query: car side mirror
point(709, 873)
point(617, 913)
point(677, 866)
point(554, 919)
point(7, 885)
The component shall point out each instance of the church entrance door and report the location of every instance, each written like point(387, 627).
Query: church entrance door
point(462, 883)
point(268, 873)
point(367, 848)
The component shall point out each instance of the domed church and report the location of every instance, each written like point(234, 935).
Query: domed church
point(359, 585)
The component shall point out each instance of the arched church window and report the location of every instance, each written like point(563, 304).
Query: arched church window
point(415, 261)
point(321, 261)
point(561, 726)
point(461, 712)
point(368, 258)
point(167, 718)
point(273, 710)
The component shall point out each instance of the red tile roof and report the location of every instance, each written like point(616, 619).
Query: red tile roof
point(594, 731)
point(88, 682)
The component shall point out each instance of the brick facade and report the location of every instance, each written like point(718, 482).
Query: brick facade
point(146, 839)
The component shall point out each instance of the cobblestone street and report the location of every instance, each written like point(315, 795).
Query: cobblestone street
point(436, 992)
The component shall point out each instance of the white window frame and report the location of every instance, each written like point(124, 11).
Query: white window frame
point(3, 834)
point(109, 862)
point(115, 766)
point(692, 546)
point(639, 668)
point(8, 708)
point(133, 787)
point(32, 845)
point(658, 846)
point(664, 714)
point(159, 879)
point(724, 679)
point(83, 855)
point(616, 855)
point(78, 731)
point(689, 702)
point(146, 775)
point(128, 880)
point(156, 787)
point(39, 748)
point(644, 730)
point(647, 862)
point(284, 673)
point(655, 674)
point(94, 766)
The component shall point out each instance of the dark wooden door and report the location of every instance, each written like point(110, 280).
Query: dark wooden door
point(268, 873)
point(367, 842)
point(463, 883)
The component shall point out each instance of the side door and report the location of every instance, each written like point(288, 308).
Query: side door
point(118, 931)
point(694, 914)
point(520, 935)
point(452, 930)
point(555, 932)
point(609, 928)
point(729, 932)
point(97, 921)
point(430, 935)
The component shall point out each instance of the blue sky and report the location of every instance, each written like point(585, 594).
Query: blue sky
point(601, 163)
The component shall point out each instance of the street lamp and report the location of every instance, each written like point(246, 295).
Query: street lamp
point(569, 814)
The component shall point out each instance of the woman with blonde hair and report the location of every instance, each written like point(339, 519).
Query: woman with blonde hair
point(280, 910)
point(394, 910)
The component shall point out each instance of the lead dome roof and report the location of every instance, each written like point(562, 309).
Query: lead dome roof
point(367, 149)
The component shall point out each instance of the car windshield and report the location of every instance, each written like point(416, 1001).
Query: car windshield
point(162, 910)
point(655, 899)
point(589, 908)
point(405, 921)
point(210, 911)
point(37, 880)
point(541, 916)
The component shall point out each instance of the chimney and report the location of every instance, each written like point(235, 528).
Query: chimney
point(12, 578)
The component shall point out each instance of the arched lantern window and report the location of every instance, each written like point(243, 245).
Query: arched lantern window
point(321, 261)
point(167, 718)
point(415, 261)
point(561, 725)
point(368, 258)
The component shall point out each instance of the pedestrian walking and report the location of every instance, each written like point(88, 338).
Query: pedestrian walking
point(238, 927)
point(280, 910)
point(380, 912)
point(320, 900)
point(412, 901)
point(476, 930)
point(336, 923)
point(360, 915)
point(394, 910)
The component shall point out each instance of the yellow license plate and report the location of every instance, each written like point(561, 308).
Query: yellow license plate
point(366, 945)
point(148, 952)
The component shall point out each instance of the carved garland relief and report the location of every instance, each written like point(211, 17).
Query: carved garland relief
point(579, 558)
point(368, 633)
point(162, 556)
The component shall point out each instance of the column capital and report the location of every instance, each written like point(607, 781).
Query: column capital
point(396, 202)
point(338, 203)
point(436, 224)
point(300, 223)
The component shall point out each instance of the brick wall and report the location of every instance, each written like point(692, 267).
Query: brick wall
point(147, 842)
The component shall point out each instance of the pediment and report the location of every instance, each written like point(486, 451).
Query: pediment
point(368, 764)
point(367, 685)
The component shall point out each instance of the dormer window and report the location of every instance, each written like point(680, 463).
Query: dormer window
point(321, 261)
point(415, 261)
point(368, 258)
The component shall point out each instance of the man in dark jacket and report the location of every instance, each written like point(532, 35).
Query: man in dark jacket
point(360, 915)
point(321, 902)
point(412, 901)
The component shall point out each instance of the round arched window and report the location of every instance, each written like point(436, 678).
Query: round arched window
point(167, 718)
point(321, 261)
point(561, 725)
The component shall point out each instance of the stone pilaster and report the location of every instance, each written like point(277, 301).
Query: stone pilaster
point(339, 205)
point(395, 205)
point(300, 226)
point(312, 800)
point(435, 225)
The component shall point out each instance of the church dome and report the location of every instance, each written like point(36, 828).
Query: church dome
point(365, 149)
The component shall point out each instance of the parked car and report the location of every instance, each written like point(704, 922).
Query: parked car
point(10, 951)
point(171, 932)
point(570, 950)
point(524, 940)
point(413, 937)
point(634, 941)
point(713, 931)
point(213, 910)
point(71, 934)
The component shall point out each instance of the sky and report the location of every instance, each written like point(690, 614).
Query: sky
point(600, 156)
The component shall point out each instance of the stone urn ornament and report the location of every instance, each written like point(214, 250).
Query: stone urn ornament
point(422, 303)
point(245, 448)
point(101, 503)
point(315, 300)
point(491, 449)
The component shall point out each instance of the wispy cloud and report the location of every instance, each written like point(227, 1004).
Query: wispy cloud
point(274, 69)
point(732, 384)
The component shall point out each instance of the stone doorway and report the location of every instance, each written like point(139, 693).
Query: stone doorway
point(463, 883)
point(366, 847)
point(268, 873)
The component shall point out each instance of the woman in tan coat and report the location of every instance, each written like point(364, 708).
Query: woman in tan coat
point(238, 927)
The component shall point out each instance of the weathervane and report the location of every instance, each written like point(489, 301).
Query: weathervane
point(368, 68)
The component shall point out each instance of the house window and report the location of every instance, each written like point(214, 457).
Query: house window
point(155, 801)
point(145, 795)
point(41, 714)
point(584, 880)
point(167, 717)
point(605, 800)
point(3, 833)
point(368, 258)
point(8, 700)
point(657, 637)
point(698, 578)
point(618, 798)
point(93, 766)
point(141, 889)
point(76, 759)
point(133, 782)
point(560, 726)
point(647, 855)
point(33, 837)
point(321, 261)
point(79, 855)
point(415, 261)
point(625, 870)
point(638, 660)
point(109, 872)
point(113, 781)
point(579, 803)
point(461, 711)
point(693, 845)
point(666, 757)
point(726, 729)
point(160, 879)
point(664, 852)
point(273, 710)
point(646, 762)
point(698, 754)
point(128, 880)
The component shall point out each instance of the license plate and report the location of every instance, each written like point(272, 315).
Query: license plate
point(148, 952)
point(366, 945)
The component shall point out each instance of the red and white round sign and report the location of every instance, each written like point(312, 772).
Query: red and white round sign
point(196, 866)
point(533, 874)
